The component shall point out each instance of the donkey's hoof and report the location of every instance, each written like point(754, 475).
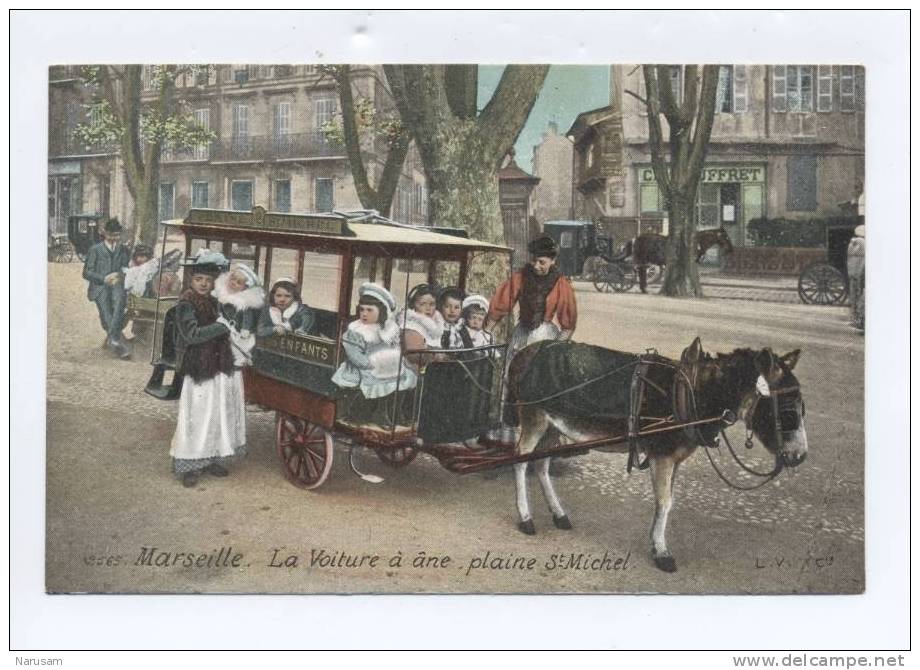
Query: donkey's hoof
point(527, 527)
point(562, 522)
point(666, 563)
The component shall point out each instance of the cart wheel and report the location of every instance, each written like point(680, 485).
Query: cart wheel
point(305, 450)
point(822, 284)
point(601, 279)
point(619, 279)
point(397, 457)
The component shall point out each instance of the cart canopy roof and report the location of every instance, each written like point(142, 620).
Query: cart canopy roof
point(337, 229)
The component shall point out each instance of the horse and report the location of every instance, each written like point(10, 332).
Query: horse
point(651, 249)
point(758, 386)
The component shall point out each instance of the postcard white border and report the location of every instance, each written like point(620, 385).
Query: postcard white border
point(878, 619)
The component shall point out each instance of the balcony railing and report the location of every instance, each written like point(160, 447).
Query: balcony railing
point(273, 147)
point(71, 146)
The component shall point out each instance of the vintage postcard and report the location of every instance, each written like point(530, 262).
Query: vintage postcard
point(363, 328)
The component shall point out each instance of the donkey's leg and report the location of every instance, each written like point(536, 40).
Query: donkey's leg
point(663, 469)
point(560, 520)
point(642, 270)
point(533, 424)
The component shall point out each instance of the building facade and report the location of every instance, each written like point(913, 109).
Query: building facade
point(552, 165)
point(788, 141)
point(271, 149)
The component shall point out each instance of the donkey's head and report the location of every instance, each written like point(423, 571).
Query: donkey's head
point(724, 241)
point(765, 392)
point(775, 412)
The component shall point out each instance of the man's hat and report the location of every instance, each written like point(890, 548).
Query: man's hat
point(113, 226)
point(543, 246)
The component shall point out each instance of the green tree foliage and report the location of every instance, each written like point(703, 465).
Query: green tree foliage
point(141, 128)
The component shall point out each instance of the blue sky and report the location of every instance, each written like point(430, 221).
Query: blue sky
point(568, 91)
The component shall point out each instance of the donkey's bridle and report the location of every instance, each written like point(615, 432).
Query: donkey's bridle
point(774, 396)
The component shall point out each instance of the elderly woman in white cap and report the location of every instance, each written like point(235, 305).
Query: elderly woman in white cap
point(241, 298)
point(373, 370)
point(211, 428)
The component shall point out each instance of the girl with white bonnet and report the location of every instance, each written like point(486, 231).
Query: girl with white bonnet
point(372, 371)
point(240, 298)
point(472, 334)
point(285, 312)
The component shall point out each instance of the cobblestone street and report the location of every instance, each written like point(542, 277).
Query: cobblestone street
point(110, 491)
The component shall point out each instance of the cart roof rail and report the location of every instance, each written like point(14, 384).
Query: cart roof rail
point(361, 226)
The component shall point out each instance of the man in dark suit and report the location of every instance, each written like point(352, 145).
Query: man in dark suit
point(103, 271)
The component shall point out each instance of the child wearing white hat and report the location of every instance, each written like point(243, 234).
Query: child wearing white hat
point(241, 298)
point(373, 369)
point(475, 308)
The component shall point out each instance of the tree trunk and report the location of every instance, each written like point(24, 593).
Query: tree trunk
point(146, 206)
point(681, 277)
point(463, 183)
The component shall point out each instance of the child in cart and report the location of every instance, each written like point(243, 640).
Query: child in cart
point(241, 298)
point(376, 384)
point(450, 305)
point(475, 308)
point(285, 312)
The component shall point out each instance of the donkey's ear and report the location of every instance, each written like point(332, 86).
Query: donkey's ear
point(791, 358)
point(693, 353)
point(765, 361)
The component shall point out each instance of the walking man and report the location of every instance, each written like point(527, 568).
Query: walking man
point(103, 271)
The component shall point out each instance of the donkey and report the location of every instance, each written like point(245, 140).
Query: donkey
point(651, 249)
point(755, 385)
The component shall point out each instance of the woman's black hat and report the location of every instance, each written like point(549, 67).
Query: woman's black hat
point(543, 246)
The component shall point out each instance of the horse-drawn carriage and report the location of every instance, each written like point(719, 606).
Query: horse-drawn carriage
point(642, 259)
point(826, 282)
point(460, 394)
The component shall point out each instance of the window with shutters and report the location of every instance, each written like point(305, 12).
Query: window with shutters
point(825, 88)
point(203, 119)
point(847, 88)
point(199, 194)
point(282, 195)
point(793, 88)
point(324, 194)
point(323, 111)
point(240, 122)
point(725, 92)
point(802, 183)
point(739, 75)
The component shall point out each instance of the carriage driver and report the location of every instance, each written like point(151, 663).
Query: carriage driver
point(545, 297)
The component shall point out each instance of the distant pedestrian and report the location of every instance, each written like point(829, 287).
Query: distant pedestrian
point(103, 271)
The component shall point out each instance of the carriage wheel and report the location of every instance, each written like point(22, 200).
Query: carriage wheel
point(619, 279)
point(397, 457)
point(601, 279)
point(305, 450)
point(822, 284)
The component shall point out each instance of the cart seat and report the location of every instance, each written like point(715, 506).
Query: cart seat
point(166, 361)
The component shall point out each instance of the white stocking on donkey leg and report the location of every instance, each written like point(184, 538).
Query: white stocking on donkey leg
point(662, 470)
point(560, 520)
point(533, 425)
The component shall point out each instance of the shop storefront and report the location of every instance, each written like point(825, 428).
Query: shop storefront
point(730, 195)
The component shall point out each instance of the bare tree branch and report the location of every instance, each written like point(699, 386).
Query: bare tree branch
point(462, 86)
point(505, 114)
point(636, 96)
point(704, 118)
